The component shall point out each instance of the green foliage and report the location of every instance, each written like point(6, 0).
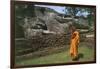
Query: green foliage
point(24, 10)
point(19, 33)
point(72, 10)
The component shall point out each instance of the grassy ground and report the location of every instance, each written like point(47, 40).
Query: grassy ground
point(86, 54)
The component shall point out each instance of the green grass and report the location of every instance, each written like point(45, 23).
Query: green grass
point(62, 57)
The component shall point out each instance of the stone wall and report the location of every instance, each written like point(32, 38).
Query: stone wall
point(49, 40)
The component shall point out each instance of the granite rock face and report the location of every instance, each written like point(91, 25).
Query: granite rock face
point(43, 19)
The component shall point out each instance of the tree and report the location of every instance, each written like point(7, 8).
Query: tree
point(72, 11)
point(91, 15)
point(24, 10)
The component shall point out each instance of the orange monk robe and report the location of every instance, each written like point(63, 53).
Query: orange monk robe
point(74, 44)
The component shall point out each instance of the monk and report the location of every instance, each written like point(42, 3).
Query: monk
point(74, 43)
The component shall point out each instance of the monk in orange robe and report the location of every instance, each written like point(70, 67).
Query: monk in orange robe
point(74, 43)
